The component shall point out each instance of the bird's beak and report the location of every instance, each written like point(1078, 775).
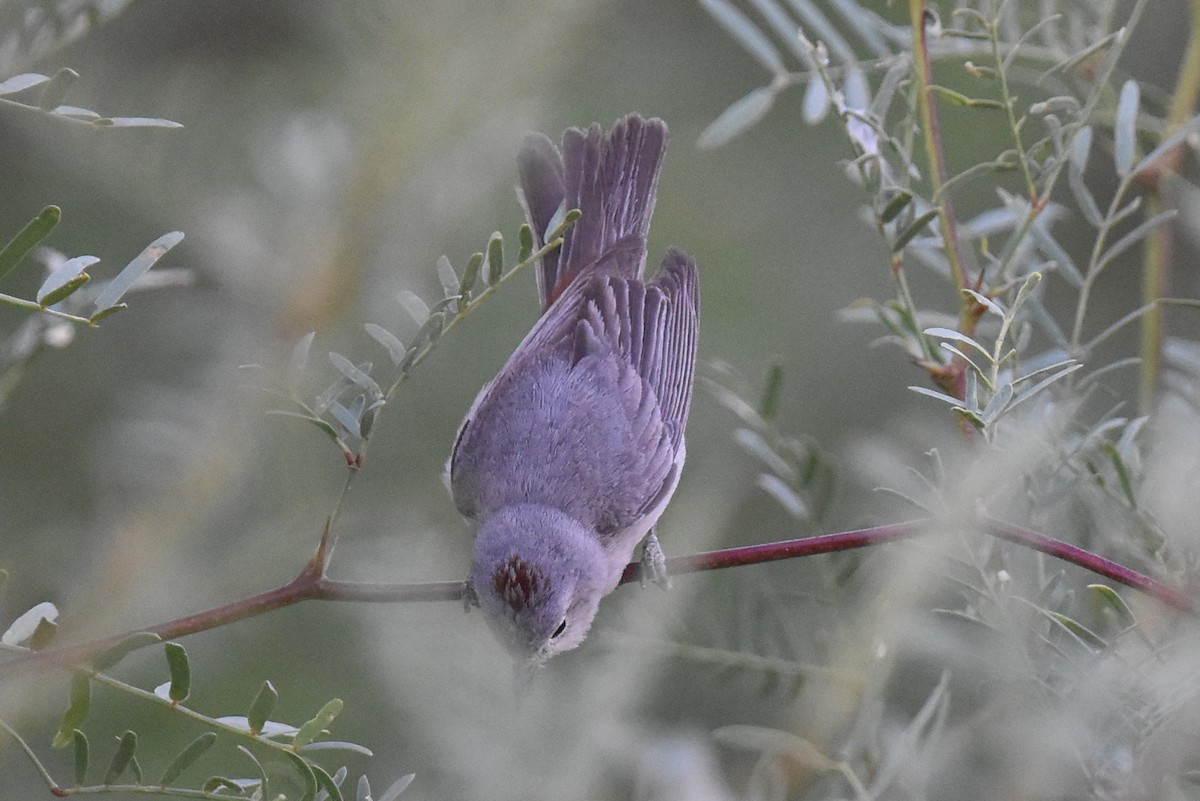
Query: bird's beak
point(523, 672)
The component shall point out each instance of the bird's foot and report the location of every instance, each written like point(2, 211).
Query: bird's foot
point(469, 597)
point(654, 563)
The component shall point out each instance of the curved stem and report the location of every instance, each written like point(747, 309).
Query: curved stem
point(311, 584)
point(931, 131)
point(37, 763)
point(1156, 260)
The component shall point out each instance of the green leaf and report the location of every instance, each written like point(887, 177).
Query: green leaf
point(77, 710)
point(416, 308)
point(816, 101)
point(81, 756)
point(525, 242)
point(768, 406)
point(262, 707)
point(897, 204)
point(327, 782)
point(112, 656)
point(1114, 38)
point(356, 374)
point(136, 122)
point(971, 417)
point(65, 279)
point(262, 772)
point(347, 419)
point(187, 757)
point(395, 347)
point(1081, 146)
point(324, 425)
point(428, 333)
point(19, 83)
point(43, 634)
point(1177, 137)
point(958, 98)
point(738, 118)
point(933, 393)
point(181, 672)
point(77, 113)
point(1110, 597)
point(126, 745)
point(54, 91)
point(1123, 475)
point(946, 346)
point(1086, 635)
point(1075, 170)
point(1133, 237)
point(561, 227)
point(914, 228)
point(495, 259)
point(309, 731)
point(117, 287)
point(985, 301)
point(299, 358)
point(1045, 382)
point(397, 787)
point(745, 33)
point(28, 237)
point(1125, 127)
point(307, 776)
point(956, 336)
point(104, 313)
point(998, 403)
point(783, 494)
point(449, 279)
point(335, 745)
point(215, 783)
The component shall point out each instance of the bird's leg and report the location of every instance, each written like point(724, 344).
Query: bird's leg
point(469, 597)
point(654, 562)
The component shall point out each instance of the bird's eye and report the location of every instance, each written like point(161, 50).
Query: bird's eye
point(558, 631)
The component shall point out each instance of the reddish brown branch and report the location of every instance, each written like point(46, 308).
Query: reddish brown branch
point(312, 585)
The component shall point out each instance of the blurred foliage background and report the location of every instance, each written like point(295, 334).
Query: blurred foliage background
point(331, 152)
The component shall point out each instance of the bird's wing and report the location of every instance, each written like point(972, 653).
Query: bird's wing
point(588, 413)
point(651, 328)
point(611, 179)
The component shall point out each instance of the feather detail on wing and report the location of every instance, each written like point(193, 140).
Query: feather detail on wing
point(651, 328)
point(612, 179)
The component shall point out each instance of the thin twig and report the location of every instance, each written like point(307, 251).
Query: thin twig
point(312, 585)
point(931, 131)
point(1156, 259)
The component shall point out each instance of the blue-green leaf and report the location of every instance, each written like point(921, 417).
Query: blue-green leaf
point(745, 33)
point(126, 745)
point(309, 731)
point(34, 231)
point(1125, 127)
point(67, 277)
point(180, 670)
point(54, 91)
point(117, 287)
point(19, 83)
point(737, 119)
point(82, 755)
point(261, 707)
point(187, 757)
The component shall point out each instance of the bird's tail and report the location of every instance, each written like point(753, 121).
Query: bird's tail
point(611, 178)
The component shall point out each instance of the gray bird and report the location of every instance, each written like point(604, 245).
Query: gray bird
point(570, 454)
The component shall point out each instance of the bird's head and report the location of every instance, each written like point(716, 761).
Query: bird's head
point(538, 576)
